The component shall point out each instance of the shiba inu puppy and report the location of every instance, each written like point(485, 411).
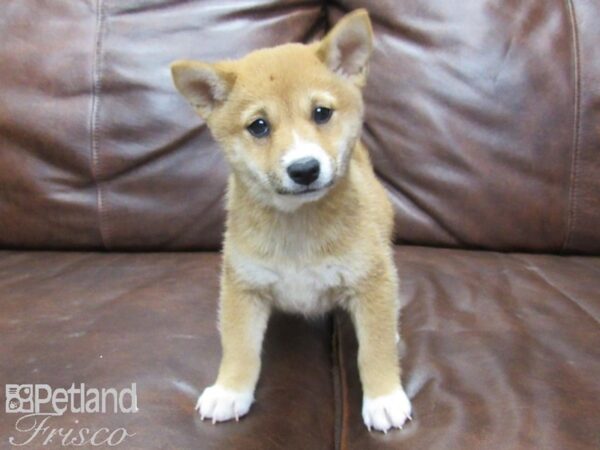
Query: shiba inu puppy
point(309, 226)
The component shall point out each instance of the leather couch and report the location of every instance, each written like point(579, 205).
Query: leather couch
point(483, 123)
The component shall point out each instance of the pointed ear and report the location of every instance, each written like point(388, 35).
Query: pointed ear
point(347, 47)
point(203, 85)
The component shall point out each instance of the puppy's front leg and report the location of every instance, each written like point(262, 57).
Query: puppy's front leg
point(243, 319)
point(374, 312)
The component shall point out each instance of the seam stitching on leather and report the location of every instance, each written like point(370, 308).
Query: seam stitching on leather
point(335, 378)
point(576, 126)
point(340, 387)
point(94, 139)
point(321, 22)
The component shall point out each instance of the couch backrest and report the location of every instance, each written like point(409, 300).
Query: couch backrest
point(482, 119)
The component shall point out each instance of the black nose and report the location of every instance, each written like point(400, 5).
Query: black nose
point(304, 171)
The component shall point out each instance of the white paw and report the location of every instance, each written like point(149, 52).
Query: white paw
point(221, 404)
point(387, 411)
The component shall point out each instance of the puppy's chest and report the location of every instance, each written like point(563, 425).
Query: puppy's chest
point(306, 289)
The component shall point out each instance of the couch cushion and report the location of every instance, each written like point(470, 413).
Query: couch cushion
point(502, 352)
point(109, 320)
point(482, 121)
point(95, 142)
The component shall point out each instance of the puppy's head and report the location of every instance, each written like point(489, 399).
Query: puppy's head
point(287, 117)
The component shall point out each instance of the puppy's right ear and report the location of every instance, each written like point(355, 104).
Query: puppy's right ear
point(347, 47)
point(204, 85)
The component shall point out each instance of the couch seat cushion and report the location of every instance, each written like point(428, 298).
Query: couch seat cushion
point(109, 320)
point(502, 351)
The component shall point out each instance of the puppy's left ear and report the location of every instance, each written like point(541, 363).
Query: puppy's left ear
point(347, 47)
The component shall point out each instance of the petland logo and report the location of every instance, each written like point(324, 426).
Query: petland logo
point(40, 403)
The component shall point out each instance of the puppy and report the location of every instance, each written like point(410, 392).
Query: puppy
point(309, 226)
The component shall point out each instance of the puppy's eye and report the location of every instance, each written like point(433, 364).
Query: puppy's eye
point(322, 114)
point(259, 128)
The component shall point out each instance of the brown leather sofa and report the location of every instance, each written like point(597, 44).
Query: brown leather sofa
point(483, 121)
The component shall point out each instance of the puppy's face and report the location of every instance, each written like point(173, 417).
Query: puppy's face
point(287, 117)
